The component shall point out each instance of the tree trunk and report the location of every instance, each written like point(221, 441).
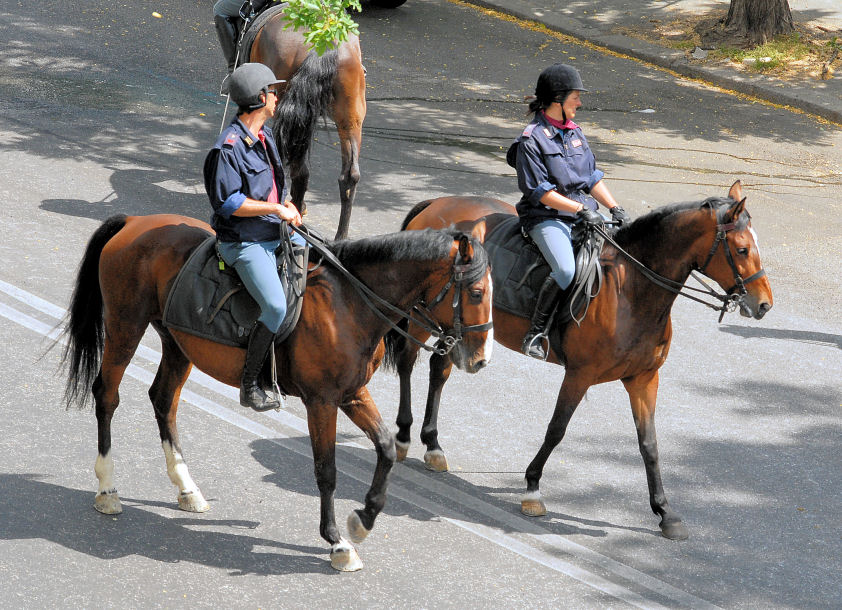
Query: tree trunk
point(759, 20)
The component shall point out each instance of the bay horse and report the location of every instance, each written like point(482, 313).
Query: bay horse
point(121, 288)
point(626, 332)
point(332, 84)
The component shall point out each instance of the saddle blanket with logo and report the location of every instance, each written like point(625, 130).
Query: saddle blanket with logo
point(518, 270)
point(213, 303)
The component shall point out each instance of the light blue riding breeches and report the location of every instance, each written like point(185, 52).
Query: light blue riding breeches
point(256, 265)
point(553, 240)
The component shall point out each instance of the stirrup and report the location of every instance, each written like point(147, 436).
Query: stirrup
point(536, 350)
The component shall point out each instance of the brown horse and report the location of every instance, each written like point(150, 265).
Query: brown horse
point(626, 332)
point(123, 281)
point(332, 84)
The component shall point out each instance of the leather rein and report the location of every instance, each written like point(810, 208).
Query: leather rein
point(732, 297)
point(462, 274)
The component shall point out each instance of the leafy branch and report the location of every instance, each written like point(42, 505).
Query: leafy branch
point(325, 23)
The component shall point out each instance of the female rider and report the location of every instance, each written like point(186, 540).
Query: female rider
point(557, 174)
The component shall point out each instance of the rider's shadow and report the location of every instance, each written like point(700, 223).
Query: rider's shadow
point(440, 492)
point(140, 192)
point(28, 503)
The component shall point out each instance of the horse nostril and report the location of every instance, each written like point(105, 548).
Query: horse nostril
point(481, 365)
point(762, 309)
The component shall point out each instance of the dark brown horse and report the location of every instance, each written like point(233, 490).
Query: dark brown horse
point(332, 84)
point(123, 281)
point(626, 332)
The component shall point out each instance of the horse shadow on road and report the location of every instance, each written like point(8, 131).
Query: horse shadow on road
point(35, 509)
point(802, 336)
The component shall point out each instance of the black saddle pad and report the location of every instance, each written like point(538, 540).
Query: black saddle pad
point(254, 29)
point(214, 304)
point(518, 270)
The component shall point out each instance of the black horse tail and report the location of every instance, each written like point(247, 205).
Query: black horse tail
point(394, 342)
point(308, 96)
point(84, 327)
point(415, 211)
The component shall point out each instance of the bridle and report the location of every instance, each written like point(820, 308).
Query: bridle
point(462, 274)
point(732, 297)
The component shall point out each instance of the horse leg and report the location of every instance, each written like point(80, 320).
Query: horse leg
point(434, 458)
point(321, 421)
point(120, 344)
point(350, 140)
point(363, 412)
point(643, 392)
point(569, 396)
point(164, 393)
point(405, 363)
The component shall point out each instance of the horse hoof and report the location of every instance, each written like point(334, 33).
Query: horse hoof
point(343, 557)
point(436, 461)
point(108, 503)
point(675, 530)
point(532, 505)
point(402, 449)
point(193, 502)
point(356, 529)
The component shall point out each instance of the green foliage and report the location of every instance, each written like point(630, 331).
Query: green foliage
point(324, 23)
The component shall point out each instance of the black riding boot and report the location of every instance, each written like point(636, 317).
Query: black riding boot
point(547, 298)
point(227, 35)
point(251, 394)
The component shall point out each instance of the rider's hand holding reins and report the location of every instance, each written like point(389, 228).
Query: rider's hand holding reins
point(287, 211)
point(590, 217)
point(620, 216)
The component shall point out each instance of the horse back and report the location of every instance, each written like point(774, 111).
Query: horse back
point(141, 261)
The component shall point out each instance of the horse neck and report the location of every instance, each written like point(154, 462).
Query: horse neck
point(402, 283)
point(675, 249)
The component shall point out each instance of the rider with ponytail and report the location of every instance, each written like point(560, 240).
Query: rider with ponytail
point(557, 174)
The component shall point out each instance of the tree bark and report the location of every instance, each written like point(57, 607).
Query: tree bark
point(759, 20)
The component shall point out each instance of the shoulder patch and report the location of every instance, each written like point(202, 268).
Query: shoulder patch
point(529, 129)
point(231, 139)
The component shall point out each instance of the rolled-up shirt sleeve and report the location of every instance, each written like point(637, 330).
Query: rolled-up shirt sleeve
point(596, 176)
point(226, 188)
point(532, 177)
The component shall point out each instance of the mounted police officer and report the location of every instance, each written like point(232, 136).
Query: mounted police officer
point(557, 174)
point(244, 180)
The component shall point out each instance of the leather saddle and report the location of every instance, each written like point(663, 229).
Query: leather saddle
point(518, 270)
point(254, 27)
point(208, 299)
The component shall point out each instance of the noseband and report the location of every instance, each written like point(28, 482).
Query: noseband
point(738, 291)
point(463, 275)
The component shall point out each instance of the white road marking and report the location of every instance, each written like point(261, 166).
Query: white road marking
point(531, 529)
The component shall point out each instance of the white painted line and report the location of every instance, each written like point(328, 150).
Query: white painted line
point(509, 520)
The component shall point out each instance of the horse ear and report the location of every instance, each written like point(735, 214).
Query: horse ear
point(736, 191)
point(466, 249)
point(735, 211)
point(478, 230)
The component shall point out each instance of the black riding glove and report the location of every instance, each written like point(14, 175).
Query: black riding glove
point(590, 217)
point(620, 215)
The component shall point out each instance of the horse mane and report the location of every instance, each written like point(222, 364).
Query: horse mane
point(308, 96)
point(428, 244)
point(652, 226)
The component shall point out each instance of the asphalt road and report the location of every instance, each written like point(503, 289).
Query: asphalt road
point(105, 108)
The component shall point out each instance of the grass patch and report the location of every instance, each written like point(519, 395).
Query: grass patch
point(770, 56)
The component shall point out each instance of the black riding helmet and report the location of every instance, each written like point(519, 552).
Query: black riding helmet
point(555, 82)
point(246, 83)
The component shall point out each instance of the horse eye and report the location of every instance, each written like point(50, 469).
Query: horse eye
point(742, 251)
point(476, 296)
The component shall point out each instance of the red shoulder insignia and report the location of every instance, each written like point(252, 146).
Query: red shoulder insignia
point(230, 140)
point(529, 129)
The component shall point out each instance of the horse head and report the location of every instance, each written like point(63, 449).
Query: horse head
point(465, 306)
point(734, 259)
